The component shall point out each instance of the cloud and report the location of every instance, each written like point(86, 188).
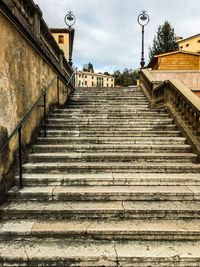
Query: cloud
point(107, 32)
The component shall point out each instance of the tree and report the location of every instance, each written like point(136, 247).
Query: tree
point(88, 67)
point(106, 73)
point(164, 41)
point(126, 78)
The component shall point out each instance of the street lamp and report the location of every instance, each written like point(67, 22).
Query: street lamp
point(143, 20)
point(70, 20)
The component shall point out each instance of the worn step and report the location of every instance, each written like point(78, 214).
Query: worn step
point(104, 110)
point(118, 167)
point(112, 148)
point(59, 210)
point(109, 128)
point(105, 179)
point(64, 253)
point(103, 193)
point(145, 132)
point(107, 121)
point(155, 230)
point(112, 156)
point(78, 118)
point(107, 101)
point(158, 140)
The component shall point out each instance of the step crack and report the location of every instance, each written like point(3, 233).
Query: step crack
point(117, 256)
point(28, 260)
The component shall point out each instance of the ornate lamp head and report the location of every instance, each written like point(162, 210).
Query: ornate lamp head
point(143, 18)
point(70, 19)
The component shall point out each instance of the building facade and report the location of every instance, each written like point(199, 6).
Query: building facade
point(191, 44)
point(177, 60)
point(65, 40)
point(90, 79)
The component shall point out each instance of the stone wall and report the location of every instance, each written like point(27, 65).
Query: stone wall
point(190, 78)
point(24, 73)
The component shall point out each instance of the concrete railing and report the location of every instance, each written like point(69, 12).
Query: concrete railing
point(182, 104)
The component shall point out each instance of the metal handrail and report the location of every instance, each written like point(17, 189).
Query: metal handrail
point(70, 79)
point(19, 126)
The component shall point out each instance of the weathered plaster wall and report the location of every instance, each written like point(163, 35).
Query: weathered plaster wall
point(23, 75)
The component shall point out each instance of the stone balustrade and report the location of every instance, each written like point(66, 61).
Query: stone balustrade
point(182, 104)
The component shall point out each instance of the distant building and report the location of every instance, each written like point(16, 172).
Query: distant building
point(191, 43)
point(90, 79)
point(64, 40)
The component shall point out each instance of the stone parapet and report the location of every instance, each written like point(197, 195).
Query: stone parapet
point(182, 104)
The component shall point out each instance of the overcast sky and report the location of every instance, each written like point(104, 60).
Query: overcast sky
point(107, 33)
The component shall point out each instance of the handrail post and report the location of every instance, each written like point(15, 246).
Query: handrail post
point(45, 116)
point(20, 155)
point(58, 93)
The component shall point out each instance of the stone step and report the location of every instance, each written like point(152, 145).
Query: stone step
point(64, 253)
point(117, 167)
point(106, 179)
point(108, 123)
point(98, 128)
point(110, 210)
point(107, 104)
point(155, 230)
point(108, 99)
point(102, 117)
point(140, 132)
point(112, 157)
point(105, 193)
point(151, 140)
point(110, 113)
point(98, 99)
point(104, 110)
point(107, 118)
point(112, 148)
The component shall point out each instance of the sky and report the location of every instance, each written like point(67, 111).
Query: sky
point(107, 33)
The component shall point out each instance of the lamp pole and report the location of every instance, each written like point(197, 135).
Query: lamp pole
point(143, 20)
point(70, 20)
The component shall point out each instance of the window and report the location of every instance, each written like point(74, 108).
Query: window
point(92, 77)
point(198, 41)
point(92, 83)
point(85, 76)
point(61, 39)
point(181, 47)
point(85, 82)
point(187, 45)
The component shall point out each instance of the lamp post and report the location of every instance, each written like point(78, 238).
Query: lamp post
point(143, 20)
point(70, 20)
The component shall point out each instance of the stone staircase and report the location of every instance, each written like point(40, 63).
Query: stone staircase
point(113, 184)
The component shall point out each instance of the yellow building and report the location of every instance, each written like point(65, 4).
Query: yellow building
point(90, 79)
point(191, 44)
point(65, 40)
